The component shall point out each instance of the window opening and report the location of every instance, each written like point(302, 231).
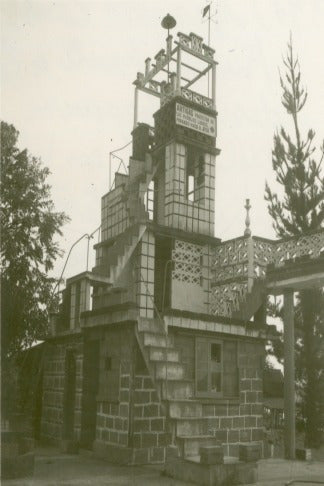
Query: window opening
point(216, 368)
point(195, 173)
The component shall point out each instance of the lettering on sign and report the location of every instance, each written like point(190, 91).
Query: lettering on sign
point(187, 117)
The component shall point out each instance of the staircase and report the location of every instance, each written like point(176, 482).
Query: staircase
point(251, 302)
point(140, 175)
point(185, 420)
point(119, 254)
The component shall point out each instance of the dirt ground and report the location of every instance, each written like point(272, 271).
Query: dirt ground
point(53, 468)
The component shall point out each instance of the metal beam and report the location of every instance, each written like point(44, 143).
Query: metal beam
point(289, 374)
point(202, 73)
point(184, 79)
point(187, 66)
point(149, 91)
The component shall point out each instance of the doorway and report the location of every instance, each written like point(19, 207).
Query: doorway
point(69, 395)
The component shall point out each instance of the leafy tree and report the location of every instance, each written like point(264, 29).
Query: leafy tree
point(297, 210)
point(28, 248)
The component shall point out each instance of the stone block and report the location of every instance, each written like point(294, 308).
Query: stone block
point(233, 410)
point(124, 382)
point(226, 423)
point(149, 440)
point(157, 424)
point(141, 396)
point(233, 436)
point(124, 396)
point(246, 409)
point(68, 446)
point(257, 385)
point(250, 421)
point(221, 435)
point(245, 435)
point(257, 434)
point(26, 444)
point(151, 410)
point(245, 384)
point(238, 422)
point(251, 397)
point(171, 453)
point(250, 452)
point(141, 425)
point(257, 409)
point(211, 454)
point(157, 455)
point(140, 456)
point(164, 439)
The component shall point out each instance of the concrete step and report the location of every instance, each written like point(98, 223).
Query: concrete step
point(191, 426)
point(185, 408)
point(150, 325)
point(170, 371)
point(114, 296)
point(157, 339)
point(159, 354)
point(176, 389)
point(233, 472)
point(189, 445)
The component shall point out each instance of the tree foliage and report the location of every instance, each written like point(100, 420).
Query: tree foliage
point(28, 250)
point(297, 210)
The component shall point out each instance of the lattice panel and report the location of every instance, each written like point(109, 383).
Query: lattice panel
point(308, 245)
point(225, 299)
point(263, 254)
point(231, 259)
point(187, 262)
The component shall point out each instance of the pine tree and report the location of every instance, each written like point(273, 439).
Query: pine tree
point(297, 210)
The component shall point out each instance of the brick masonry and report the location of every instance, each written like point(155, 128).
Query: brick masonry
point(242, 420)
point(54, 380)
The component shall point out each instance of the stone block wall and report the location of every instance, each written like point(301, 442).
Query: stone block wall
point(241, 420)
point(180, 213)
point(149, 423)
point(54, 389)
point(134, 422)
point(113, 418)
point(114, 216)
point(144, 275)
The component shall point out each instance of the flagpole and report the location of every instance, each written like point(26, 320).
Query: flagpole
point(208, 46)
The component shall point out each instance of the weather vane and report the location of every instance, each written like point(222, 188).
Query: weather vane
point(207, 10)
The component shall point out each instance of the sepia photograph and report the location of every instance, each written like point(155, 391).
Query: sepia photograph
point(162, 242)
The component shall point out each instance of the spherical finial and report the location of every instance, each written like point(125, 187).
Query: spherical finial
point(168, 22)
point(247, 206)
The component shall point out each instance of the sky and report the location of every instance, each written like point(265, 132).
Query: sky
point(66, 84)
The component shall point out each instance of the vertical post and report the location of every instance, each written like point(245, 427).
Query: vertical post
point(135, 106)
point(289, 376)
point(214, 85)
point(250, 250)
point(179, 70)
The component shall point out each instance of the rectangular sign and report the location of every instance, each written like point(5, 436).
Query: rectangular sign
point(187, 117)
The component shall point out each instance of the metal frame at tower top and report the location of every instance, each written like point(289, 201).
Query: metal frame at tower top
point(170, 61)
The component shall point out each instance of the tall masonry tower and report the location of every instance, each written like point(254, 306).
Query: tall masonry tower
point(151, 350)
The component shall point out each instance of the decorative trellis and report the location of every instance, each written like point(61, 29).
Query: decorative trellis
point(233, 259)
point(227, 298)
point(187, 262)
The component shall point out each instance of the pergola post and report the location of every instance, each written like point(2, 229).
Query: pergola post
point(289, 374)
point(178, 81)
point(214, 85)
